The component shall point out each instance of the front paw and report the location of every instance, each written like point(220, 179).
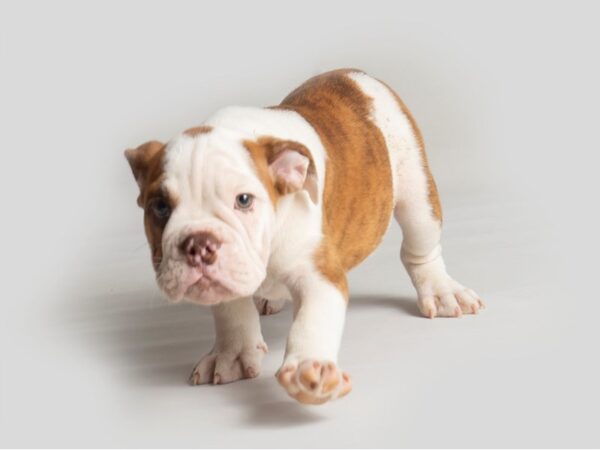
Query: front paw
point(226, 366)
point(314, 382)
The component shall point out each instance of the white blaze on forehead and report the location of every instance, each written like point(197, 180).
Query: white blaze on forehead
point(196, 166)
point(179, 165)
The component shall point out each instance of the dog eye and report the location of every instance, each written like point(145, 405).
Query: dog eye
point(244, 201)
point(160, 208)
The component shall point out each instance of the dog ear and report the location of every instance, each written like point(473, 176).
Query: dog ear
point(289, 169)
point(141, 160)
point(292, 168)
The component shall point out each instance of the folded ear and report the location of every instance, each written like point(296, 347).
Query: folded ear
point(290, 167)
point(142, 160)
point(289, 170)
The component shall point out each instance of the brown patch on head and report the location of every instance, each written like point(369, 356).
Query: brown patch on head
point(195, 131)
point(147, 165)
point(264, 152)
point(433, 195)
point(358, 197)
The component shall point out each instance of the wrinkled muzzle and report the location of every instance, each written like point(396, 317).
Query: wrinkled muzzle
point(208, 264)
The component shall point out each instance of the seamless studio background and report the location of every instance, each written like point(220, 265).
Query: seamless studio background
point(506, 95)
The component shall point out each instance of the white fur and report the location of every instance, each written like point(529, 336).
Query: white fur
point(318, 324)
point(408, 176)
point(268, 252)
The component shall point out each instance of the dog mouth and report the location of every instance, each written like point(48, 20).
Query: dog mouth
point(206, 283)
point(196, 286)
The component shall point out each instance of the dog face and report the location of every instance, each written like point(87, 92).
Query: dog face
point(209, 199)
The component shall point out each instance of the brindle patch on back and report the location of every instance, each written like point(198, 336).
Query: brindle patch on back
point(147, 165)
point(358, 197)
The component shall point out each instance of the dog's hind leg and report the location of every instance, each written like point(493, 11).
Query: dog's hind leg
point(419, 213)
point(416, 205)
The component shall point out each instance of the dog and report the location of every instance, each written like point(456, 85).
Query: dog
point(259, 205)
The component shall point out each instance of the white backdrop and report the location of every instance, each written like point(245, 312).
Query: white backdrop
point(506, 94)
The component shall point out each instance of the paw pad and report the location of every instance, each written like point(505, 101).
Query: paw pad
point(314, 382)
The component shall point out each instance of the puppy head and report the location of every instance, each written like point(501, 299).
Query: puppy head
point(209, 199)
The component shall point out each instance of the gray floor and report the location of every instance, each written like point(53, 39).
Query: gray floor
point(90, 353)
point(108, 362)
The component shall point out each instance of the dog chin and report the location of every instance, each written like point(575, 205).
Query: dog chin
point(203, 287)
point(208, 292)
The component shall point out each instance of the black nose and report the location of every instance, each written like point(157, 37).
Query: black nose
point(200, 248)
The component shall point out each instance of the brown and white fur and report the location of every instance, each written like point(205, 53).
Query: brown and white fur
point(324, 172)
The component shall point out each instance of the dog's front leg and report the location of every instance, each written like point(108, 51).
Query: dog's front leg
point(309, 372)
point(239, 346)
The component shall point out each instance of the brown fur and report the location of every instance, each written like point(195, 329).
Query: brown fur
point(146, 163)
point(195, 131)
point(358, 197)
point(434, 198)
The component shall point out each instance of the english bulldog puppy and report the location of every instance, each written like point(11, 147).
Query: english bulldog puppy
point(259, 205)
